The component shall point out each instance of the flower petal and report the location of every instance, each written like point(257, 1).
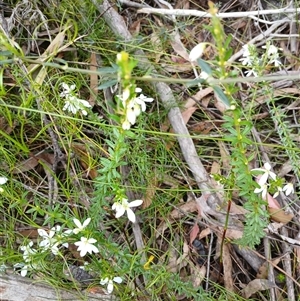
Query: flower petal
point(110, 287)
point(3, 180)
point(131, 215)
point(86, 222)
point(117, 279)
point(135, 203)
point(120, 211)
point(104, 281)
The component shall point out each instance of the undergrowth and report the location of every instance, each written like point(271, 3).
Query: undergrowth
point(85, 167)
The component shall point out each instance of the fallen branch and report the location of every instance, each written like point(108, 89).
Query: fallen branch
point(17, 288)
point(204, 14)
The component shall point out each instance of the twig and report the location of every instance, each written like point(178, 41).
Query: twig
point(133, 4)
point(286, 262)
point(203, 14)
point(271, 276)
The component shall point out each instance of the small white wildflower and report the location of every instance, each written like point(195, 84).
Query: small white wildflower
point(85, 245)
point(3, 180)
point(125, 206)
point(110, 283)
point(263, 190)
point(49, 241)
point(73, 104)
point(251, 72)
point(279, 189)
point(247, 58)
point(80, 226)
point(25, 268)
point(141, 100)
point(272, 54)
point(67, 90)
point(271, 50)
point(28, 251)
point(197, 52)
point(288, 189)
point(126, 125)
point(267, 173)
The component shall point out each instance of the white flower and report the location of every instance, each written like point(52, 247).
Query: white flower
point(272, 54)
point(110, 283)
point(246, 59)
point(80, 226)
point(24, 268)
point(250, 72)
point(267, 173)
point(126, 125)
point(49, 241)
point(73, 104)
point(3, 180)
point(271, 49)
point(125, 206)
point(263, 190)
point(67, 90)
point(86, 246)
point(279, 189)
point(28, 251)
point(288, 189)
point(197, 52)
point(141, 99)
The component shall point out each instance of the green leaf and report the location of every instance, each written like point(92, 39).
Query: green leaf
point(221, 96)
point(108, 84)
point(204, 66)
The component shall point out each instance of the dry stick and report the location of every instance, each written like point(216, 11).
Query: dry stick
point(201, 14)
point(293, 30)
point(271, 276)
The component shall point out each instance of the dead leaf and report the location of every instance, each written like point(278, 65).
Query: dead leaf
point(186, 114)
point(177, 68)
point(227, 268)
point(39, 72)
point(135, 27)
point(263, 271)
point(205, 232)
point(197, 97)
point(225, 155)
point(233, 234)
point(215, 168)
point(197, 275)
point(255, 286)
point(33, 161)
point(279, 215)
point(194, 233)
point(93, 79)
point(272, 202)
point(150, 192)
point(177, 45)
point(183, 209)
point(157, 46)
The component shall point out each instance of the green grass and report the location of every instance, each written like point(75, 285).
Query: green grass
point(44, 191)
